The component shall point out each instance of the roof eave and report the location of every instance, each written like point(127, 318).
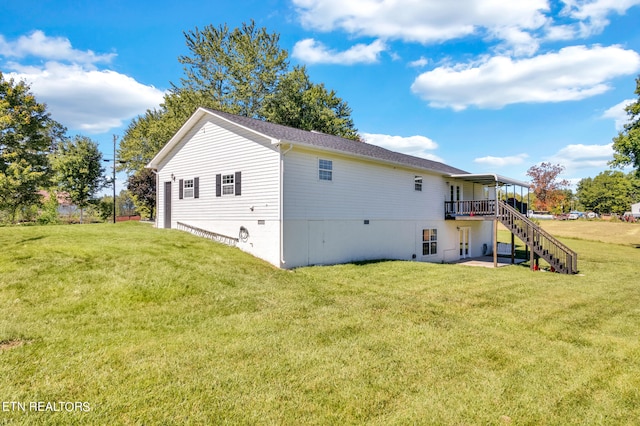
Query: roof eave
point(490, 178)
point(359, 156)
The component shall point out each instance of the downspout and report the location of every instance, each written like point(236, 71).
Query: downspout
point(155, 172)
point(495, 228)
point(281, 213)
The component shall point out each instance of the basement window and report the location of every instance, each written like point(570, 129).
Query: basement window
point(429, 242)
point(325, 169)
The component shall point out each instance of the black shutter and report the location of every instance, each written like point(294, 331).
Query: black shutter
point(196, 187)
point(218, 185)
point(238, 181)
point(181, 189)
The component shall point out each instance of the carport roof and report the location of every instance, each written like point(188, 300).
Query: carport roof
point(490, 179)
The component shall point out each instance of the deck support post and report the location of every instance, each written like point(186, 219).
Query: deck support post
point(532, 253)
point(513, 248)
point(495, 242)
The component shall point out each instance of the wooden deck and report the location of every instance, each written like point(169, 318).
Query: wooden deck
point(540, 243)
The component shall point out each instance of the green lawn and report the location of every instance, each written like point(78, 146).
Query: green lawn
point(150, 326)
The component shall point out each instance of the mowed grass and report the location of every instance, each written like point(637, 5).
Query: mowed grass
point(614, 232)
point(155, 326)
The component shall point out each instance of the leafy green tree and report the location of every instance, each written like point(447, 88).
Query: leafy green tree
point(299, 103)
point(78, 170)
point(547, 186)
point(27, 135)
point(105, 208)
point(125, 205)
point(144, 137)
point(241, 71)
point(609, 192)
point(235, 69)
point(626, 145)
point(142, 186)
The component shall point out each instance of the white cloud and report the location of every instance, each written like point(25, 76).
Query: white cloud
point(592, 15)
point(579, 156)
point(418, 146)
point(573, 73)
point(618, 113)
point(419, 63)
point(37, 44)
point(518, 27)
point(502, 161)
point(422, 21)
point(314, 52)
point(78, 95)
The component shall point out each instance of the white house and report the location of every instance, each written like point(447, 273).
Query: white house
point(296, 198)
point(635, 208)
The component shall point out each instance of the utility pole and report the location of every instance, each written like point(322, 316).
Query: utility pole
point(115, 138)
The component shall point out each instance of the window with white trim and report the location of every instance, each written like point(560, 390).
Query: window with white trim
point(228, 184)
point(417, 182)
point(325, 169)
point(188, 188)
point(429, 242)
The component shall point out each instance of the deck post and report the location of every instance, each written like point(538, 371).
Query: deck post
point(513, 248)
point(495, 242)
point(532, 254)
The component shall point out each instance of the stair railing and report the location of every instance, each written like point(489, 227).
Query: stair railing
point(559, 256)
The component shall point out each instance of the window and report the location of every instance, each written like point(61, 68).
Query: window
point(418, 183)
point(230, 184)
point(188, 188)
point(325, 169)
point(227, 184)
point(429, 242)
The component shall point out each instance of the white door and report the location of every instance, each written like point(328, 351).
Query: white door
point(464, 234)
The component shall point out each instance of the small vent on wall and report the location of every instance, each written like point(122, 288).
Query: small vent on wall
point(366, 221)
point(261, 222)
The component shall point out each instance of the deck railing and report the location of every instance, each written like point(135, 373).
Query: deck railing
point(470, 208)
point(558, 255)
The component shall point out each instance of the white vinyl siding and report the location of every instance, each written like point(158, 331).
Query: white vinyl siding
point(210, 149)
point(364, 190)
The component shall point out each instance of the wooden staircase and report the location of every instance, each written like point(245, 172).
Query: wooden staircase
point(560, 257)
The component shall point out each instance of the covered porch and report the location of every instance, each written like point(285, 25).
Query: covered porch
point(487, 190)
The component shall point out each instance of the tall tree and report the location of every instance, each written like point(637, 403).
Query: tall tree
point(234, 69)
point(299, 103)
point(142, 186)
point(78, 170)
point(626, 145)
point(27, 135)
point(609, 192)
point(547, 187)
point(241, 71)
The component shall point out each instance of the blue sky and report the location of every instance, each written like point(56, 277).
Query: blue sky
point(483, 85)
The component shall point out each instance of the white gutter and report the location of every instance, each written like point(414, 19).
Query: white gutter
point(281, 213)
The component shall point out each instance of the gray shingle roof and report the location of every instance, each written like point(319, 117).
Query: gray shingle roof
point(335, 143)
